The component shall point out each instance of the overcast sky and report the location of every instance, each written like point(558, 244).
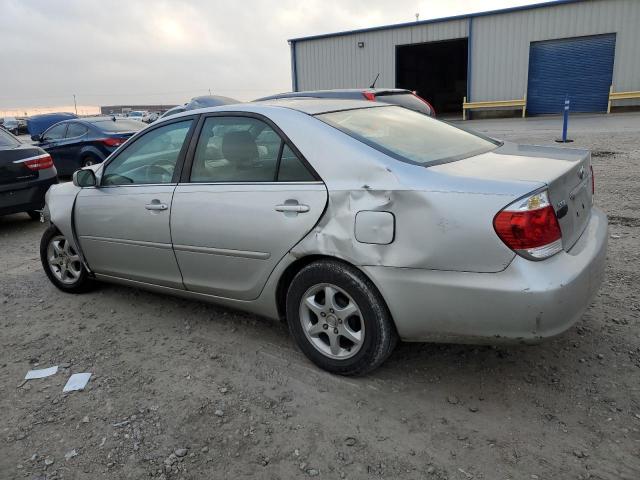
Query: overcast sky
point(163, 51)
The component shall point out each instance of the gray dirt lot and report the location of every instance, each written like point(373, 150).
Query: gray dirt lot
point(232, 389)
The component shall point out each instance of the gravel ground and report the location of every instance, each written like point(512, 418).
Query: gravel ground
point(186, 390)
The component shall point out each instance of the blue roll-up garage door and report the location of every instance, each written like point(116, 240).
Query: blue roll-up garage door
point(580, 67)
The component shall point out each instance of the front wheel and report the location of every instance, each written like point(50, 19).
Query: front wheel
point(62, 264)
point(88, 161)
point(339, 319)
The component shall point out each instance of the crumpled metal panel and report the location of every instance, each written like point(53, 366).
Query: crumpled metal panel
point(59, 202)
point(436, 213)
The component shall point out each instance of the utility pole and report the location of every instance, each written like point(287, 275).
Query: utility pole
point(75, 107)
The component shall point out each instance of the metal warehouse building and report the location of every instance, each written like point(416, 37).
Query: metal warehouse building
point(537, 53)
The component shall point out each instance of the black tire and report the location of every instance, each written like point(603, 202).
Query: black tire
point(88, 161)
point(380, 336)
point(34, 214)
point(82, 284)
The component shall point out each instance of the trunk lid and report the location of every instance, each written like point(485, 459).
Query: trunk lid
point(12, 170)
point(565, 171)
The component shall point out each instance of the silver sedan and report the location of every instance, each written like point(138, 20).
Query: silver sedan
point(359, 223)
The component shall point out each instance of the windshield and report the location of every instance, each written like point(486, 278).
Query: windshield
point(7, 140)
point(119, 125)
point(408, 136)
point(135, 114)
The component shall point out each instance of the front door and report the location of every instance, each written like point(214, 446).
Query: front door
point(52, 141)
point(247, 200)
point(123, 224)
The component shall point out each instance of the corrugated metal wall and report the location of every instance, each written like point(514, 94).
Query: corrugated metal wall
point(500, 48)
point(337, 62)
point(500, 44)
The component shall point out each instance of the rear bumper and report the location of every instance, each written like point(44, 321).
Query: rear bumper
point(26, 196)
point(527, 302)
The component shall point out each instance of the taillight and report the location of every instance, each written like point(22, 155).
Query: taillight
point(593, 181)
point(369, 96)
point(41, 162)
point(530, 227)
point(112, 142)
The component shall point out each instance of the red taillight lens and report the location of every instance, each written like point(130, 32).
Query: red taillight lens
point(112, 142)
point(41, 162)
point(369, 96)
point(530, 227)
point(593, 181)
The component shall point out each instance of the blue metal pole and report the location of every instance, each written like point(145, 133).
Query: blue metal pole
point(565, 120)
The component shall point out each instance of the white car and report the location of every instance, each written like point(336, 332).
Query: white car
point(141, 115)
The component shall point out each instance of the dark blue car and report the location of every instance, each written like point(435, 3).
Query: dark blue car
point(85, 141)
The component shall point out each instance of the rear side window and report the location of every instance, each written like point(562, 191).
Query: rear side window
point(292, 169)
point(119, 125)
point(245, 150)
point(408, 136)
point(76, 130)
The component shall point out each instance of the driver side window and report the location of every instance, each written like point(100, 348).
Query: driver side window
point(150, 159)
point(55, 133)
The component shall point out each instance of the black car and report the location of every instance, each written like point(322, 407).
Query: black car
point(85, 141)
point(26, 173)
point(394, 96)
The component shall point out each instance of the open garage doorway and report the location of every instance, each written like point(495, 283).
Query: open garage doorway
point(436, 70)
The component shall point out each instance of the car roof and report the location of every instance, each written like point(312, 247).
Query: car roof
point(310, 106)
point(335, 93)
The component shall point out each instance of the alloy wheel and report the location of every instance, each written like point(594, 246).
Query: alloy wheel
point(332, 321)
point(64, 261)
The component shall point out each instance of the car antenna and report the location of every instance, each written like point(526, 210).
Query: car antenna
point(373, 85)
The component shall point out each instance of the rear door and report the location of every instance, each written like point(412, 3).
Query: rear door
point(123, 224)
point(247, 198)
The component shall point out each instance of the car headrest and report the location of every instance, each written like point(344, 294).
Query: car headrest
point(239, 147)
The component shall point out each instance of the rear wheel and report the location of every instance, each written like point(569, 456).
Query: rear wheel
point(62, 263)
point(338, 318)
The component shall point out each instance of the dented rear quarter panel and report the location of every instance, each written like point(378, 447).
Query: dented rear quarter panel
point(442, 222)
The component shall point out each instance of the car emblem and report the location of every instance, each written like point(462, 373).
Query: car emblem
point(581, 173)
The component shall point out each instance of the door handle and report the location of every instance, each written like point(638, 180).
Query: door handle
point(155, 205)
point(297, 208)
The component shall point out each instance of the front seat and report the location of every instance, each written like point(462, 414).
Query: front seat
point(242, 153)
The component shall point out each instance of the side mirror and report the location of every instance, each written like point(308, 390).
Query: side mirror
point(84, 178)
point(36, 138)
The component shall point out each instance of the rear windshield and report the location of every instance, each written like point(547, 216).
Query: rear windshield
point(407, 100)
point(7, 140)
point(408, 136)
point(108, 125)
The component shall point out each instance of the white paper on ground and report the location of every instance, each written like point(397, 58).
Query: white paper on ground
point(77, 381)
point(43, 372)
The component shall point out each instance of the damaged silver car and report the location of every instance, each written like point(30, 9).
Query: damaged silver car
point(359, 223)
